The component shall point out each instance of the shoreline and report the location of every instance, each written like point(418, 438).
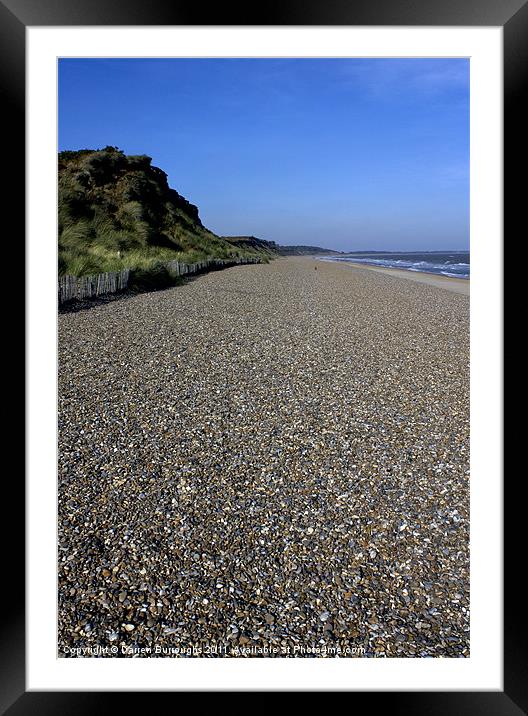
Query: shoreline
point(449, 283)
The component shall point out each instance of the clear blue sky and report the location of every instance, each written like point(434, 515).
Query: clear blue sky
point(351, 154)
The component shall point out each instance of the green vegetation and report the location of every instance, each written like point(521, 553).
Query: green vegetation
point(272, 249)
point(117, 211)
point(305, 251)
point(266, 249)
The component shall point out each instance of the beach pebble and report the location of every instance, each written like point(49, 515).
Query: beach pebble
point(267, 455)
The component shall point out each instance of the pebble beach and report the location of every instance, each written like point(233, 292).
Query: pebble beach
point(270, 460)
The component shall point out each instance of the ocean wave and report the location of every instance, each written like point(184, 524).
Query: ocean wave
point(439, 264)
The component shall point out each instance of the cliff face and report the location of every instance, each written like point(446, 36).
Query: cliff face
point(305, 251)
point(275, 249)
point(117, 211)
point(269, 248)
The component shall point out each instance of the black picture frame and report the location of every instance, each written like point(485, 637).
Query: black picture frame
point(512, 15)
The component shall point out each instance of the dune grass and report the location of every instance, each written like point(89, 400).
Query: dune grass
point(117, 212)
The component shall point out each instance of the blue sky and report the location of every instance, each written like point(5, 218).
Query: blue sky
point(351, 154)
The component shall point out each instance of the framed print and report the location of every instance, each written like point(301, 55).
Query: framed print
point(252, 463)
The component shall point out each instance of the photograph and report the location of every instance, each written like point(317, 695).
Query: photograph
point(263, 292)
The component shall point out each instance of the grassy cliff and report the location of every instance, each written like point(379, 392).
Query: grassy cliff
point(117, 211)
point(272, 249)
point(250, 243)
point(306, 251)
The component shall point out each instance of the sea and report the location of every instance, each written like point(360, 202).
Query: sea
point(444, 263)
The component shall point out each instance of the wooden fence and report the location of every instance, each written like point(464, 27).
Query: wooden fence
point(79, 287)
point(179, 269)
point(88, 286)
